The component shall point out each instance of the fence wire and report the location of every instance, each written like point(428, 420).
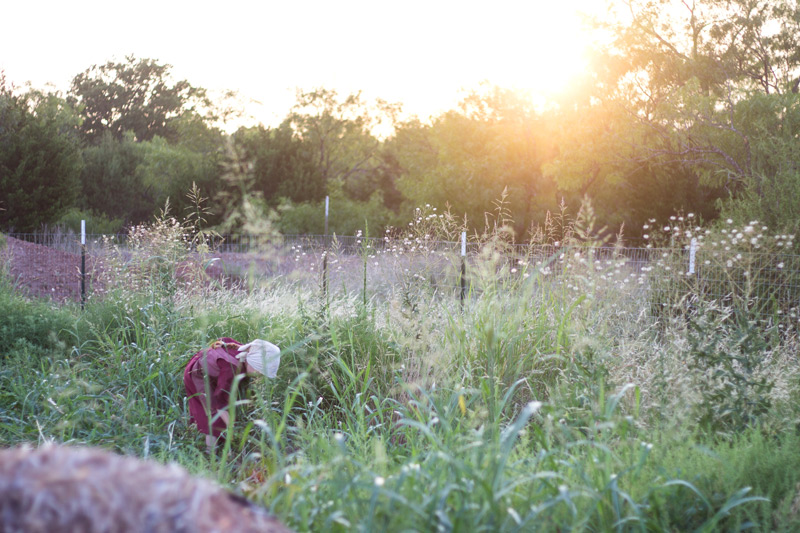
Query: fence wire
point(48, 265)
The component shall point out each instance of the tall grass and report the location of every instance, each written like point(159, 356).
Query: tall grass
point(553, 400)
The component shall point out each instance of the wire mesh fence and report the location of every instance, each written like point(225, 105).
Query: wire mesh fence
point(49, 265)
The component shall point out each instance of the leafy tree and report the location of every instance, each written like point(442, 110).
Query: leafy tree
point(771, 123)
point(40, 160)
point(282, 164)
point(340, 134)
point(132, 181)
point(708, 84)
point(168, 172)
point(136, 96)
point(347, 216)
point(110, 182)
point(467, 160)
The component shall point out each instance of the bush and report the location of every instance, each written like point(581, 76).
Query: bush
point(95, 223)
point(346, 216)
point(40, 325)
point(728, 353)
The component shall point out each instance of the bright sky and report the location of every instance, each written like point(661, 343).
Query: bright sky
point(423, 53)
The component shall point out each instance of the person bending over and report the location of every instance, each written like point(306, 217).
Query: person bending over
point(210, 374)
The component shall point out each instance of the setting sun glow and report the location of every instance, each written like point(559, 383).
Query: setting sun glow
point(422, 54)
point(540, 51)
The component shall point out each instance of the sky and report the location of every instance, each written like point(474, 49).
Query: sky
point(423, 54)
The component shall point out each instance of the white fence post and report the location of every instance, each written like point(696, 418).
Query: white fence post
point(692, 255)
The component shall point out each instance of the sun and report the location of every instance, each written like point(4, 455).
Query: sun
point(544, 50)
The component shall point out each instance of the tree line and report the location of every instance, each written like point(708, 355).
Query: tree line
point(686, 106)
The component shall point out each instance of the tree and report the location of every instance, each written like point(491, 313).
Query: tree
point(341, 137)
point(687, 107)
point(691, 68)
point(467, 160)
point(40, 160)
point(136, 96)
point(110, 183)
point(282, 164)
point(168, 172)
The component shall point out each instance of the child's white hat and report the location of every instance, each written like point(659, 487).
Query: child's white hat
point(262, 355)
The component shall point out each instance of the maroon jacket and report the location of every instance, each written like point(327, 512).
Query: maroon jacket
point(222, 365)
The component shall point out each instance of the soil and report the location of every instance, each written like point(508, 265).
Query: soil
point(39, 270)
point(44, 271)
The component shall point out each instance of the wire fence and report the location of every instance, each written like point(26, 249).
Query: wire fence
point(49, 264)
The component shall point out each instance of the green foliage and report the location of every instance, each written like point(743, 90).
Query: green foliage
point(40, 159)
point(465, 160)
point(135, 96)
point(37, 327)
point(169, 171)
point(772, 124)
point(722, 113)
point(282, 164)
point(95, 223)
point(340, 137)
point(130, 181)
point(110, 182)
point(505, 414)
point(727, 352)
point(346, 216)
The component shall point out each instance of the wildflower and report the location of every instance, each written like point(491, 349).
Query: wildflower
point(729, 221)
point(379, 481)
point(533, 406)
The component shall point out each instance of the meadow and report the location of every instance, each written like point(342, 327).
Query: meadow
point(567, 392)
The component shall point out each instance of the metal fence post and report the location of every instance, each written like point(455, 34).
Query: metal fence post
point(83, 265)
point(463, 267)
point(325, 253)
point(692, 255)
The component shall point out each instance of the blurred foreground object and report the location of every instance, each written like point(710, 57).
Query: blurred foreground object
point(59, 488)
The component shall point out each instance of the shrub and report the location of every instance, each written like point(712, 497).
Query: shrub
point(727, 351)
point(95, 223)
point(39, 324)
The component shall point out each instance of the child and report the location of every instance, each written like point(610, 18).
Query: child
point(213, 370)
